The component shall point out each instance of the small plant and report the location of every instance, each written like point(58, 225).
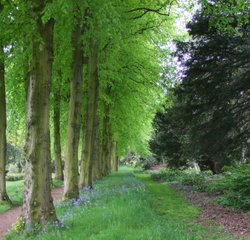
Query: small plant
point(19, 226)
point(196, 180)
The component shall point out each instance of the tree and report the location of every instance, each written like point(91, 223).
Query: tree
point(226, 16)
point(38, 204)
point(73, 131)
point(3, 141)
point(106, 48)
point(209, 119)
point(57, 134)
point(90, 128)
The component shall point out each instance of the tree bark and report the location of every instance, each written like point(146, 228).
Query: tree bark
point(117, 164)
point(96, 170)
point(71, 190)
point(38, 205)
point(106, 153)
point(113, 157)
point(3, 141)
point(90, 129)
point(57, 136)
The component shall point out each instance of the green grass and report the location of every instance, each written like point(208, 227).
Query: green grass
point(171, 206)
point(125, 207)
point(15, 193)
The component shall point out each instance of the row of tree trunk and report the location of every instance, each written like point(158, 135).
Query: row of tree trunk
point(98, 154)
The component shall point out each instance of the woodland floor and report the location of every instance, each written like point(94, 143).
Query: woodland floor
point(233, 221)
point(9, 218)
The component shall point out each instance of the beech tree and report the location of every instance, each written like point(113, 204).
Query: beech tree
point(38, 203)
point(94, 66)
point(3, 120)
point(74, 119)
point(3, 141)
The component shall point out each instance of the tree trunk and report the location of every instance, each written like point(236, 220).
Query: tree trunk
point(38, 205)
point(90, 129)
point(96, 170)
point(113, 158)
point(117, 164)
point(71, 190)
point(57, 136)
point(106, 143)
point(3, 142)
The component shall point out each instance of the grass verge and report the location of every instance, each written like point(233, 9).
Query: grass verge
point(119, 208)
point(123, 207)
point(15, 193)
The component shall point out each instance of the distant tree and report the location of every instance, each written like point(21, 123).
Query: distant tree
point(214, 93)
point(209, 120)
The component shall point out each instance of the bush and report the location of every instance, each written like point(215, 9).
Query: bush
point(218, 186)
point(234, 188)
point(238, 192)
point(14, 177)
point(196, 180)
point(147, 163)
point(169, 175)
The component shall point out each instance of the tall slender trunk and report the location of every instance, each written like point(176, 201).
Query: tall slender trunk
point(38, 205)
point(57, 135)
point(113, 157)
point(71, 190)
point(106, 142)
point(96, 170)
point(91, 114)
point(3, 142)
point(117, 164)
point(94, 140)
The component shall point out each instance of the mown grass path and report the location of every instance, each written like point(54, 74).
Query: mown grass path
point(123, 206)
point(167, 203)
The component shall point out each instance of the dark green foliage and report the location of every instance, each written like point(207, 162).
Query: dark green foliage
point(195, 179)
point(169, 175)
point(211, 105)
point(234, 188)
point(166, 143)
point(147, 163)
point(213, 97)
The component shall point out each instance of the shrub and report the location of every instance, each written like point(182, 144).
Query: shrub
point(147, 163)
point(196, 180)
point(218, 186)
point(169, 175)
point(239, 188)
point(234, 188)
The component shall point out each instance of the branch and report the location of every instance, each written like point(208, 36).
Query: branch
point(148, 10)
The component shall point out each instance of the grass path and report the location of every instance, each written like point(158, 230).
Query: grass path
point(124, 207)
point(171, 206)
